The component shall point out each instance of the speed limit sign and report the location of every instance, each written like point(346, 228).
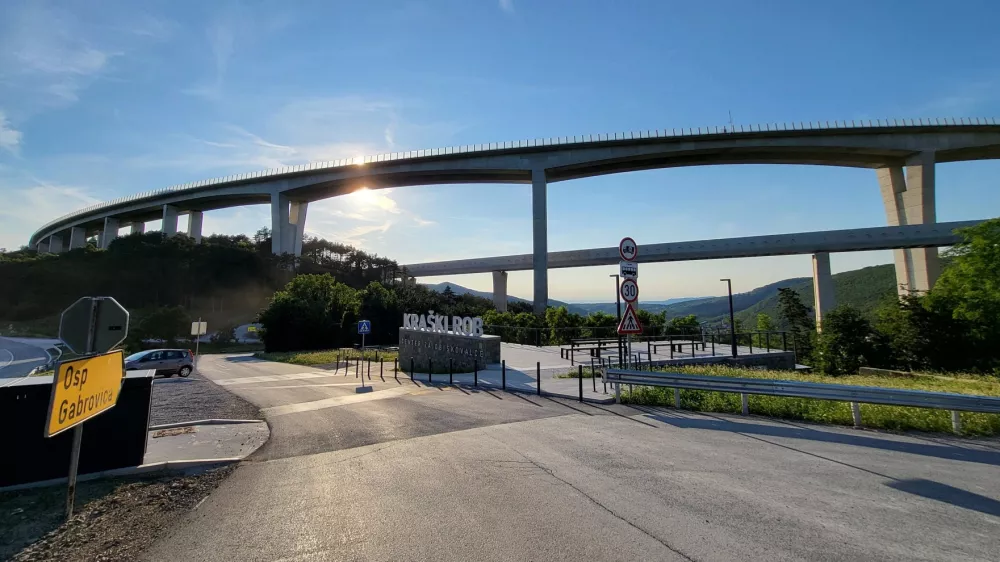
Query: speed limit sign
point(629, 290)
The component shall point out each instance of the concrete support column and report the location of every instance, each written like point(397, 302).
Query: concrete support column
point(55, 244)
point(109, 233)
point(279, 223)
point(500, 290)
point(824, 299)
point(169, 227)
point(77, 237)
point(42, 246)
point(138, 228)
point(297, 223)
point(195, 219)
point(910, 199)
point(540, 244)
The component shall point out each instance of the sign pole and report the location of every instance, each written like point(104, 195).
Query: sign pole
point(197, 340)
point(74, 453)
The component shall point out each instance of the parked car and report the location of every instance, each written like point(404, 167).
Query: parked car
point(166, 362)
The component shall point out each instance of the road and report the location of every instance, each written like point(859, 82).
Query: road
point(18, 358)
point(410, 472)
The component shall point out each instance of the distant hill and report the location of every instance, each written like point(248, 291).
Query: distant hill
point(864, 289)
point(460, 290)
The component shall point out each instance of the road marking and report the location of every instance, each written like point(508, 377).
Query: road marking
point(9, 361)
point(335, 402)
point(305, 385)
point(273, 378)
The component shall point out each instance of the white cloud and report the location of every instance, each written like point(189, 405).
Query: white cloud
point(28, 207)
point(10, 138)
point(221, 43)
point(507, 6)
point(423, 222)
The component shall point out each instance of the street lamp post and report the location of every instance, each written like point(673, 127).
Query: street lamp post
point(618, 303)
point(732, 317)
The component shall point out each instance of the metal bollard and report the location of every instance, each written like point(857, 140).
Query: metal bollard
point(336, 367)
point(395, 368)
point(580, 372)
point(357, 368)
point(430, 369)
point(503, 374)
point(369, 368)
point(381, 366)
point(451, 370)
point(411, 368)
point(593, 374)
point(475, 372)
point(538, 376)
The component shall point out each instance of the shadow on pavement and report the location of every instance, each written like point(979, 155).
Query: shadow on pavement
point(948, 494)
point(950, 452)
point(244, 359)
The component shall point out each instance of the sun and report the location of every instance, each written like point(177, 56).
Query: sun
point(365, 196)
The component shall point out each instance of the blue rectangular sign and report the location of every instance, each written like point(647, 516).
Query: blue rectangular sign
point(364, 326)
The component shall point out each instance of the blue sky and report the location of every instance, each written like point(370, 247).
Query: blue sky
point(99, 100)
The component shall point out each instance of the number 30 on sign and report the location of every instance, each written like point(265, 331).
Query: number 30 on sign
point(629, 290)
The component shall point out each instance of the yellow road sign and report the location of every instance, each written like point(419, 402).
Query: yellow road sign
point(82, 389)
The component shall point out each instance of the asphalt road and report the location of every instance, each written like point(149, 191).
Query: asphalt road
point(416, 473)
point(17, 358)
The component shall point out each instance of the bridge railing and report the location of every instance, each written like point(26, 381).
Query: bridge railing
point(800, 389)
point(532, 143)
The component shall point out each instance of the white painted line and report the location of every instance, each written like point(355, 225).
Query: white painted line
point(8, 361)
point(272, 378)
point(303, 386)
point(336, 401)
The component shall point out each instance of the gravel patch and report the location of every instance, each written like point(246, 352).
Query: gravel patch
point(196, 398)
point(115, 520)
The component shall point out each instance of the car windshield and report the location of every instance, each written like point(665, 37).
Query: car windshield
point(136, 356)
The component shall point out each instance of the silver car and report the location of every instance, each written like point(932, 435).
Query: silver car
point(166, 362)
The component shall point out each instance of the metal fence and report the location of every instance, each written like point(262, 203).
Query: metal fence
point(799, 389)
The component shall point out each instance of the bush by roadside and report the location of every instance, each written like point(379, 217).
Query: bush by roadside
point(326, 357)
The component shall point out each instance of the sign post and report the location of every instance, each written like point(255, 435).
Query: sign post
point(364, 328)
point(83, 388)
point(628, 250)
point(198, 329)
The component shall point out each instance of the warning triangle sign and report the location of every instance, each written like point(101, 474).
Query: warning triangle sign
point(630, 322)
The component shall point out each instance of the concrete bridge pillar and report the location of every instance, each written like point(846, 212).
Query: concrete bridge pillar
point(195, 219)
point(42, 246)
point(500, 290)
point(297, 224)
point(55, 244)
point(910, 199)
point(540, 244)
point(279, 222)
point(109, 233)
point(824, 299)
point(77, 237)
point(138, 228)
point(169, 227)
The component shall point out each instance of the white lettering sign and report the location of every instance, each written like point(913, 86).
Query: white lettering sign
point(440, 323)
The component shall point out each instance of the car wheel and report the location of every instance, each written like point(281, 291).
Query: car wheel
point(185, 371)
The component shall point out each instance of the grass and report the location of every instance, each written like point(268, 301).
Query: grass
point(588, 373)
point(324, 357)
point(825, 411)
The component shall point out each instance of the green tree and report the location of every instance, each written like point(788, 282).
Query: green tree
point(799, 323)
point(311, 312)
point(684, 326)
point(168, 323)
point(381, 306)
point(764, 324)
point(847, 342)
point(970, 285)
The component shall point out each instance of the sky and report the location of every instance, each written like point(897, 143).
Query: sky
point(104, 99)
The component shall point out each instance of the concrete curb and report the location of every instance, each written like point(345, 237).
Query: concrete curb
point(166, 466)
point(201, 422)
point(529, 392)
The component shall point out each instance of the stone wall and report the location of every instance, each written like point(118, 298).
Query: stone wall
point(436, 349)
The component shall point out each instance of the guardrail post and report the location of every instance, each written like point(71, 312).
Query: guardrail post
point(451, 370)
point(745, 404)
point(677, 398)
point(856, 414)
point(956, 421)
point(538, 376)
point(618, 393)
point(503, 374)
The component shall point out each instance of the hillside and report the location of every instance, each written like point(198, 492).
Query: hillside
point(460, 290)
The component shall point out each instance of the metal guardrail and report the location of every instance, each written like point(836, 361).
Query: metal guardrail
point(799, 389)
point(528, 143)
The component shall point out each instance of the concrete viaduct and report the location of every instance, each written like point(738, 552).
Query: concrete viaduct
point(903, 154)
